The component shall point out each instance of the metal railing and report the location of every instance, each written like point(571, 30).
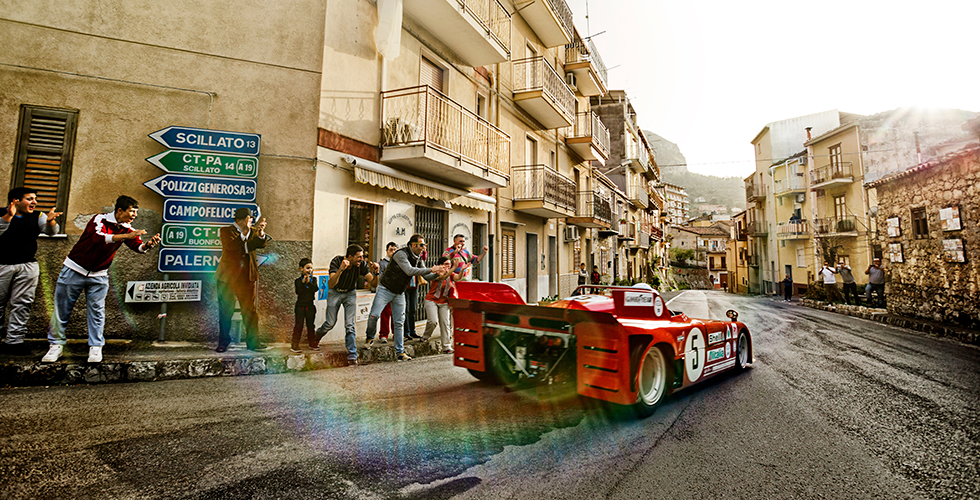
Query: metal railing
point(793, 183)
point(756, 228)
point(644, 240)
point(835, 225)
point(536, 73)
point(564, 14)
point(493, 17)
point(637, 152)
point(423, 115)
point(592, 204)
point(792, 229)
point(749, 190)
point(830, 172)
point(656, 233)
point(752, 260)
point(656, 199)
point(637, 192)
point(539, 182)
point(584, 51)
point(588, 124)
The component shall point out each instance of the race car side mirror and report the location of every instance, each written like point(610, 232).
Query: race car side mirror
point(732, 315)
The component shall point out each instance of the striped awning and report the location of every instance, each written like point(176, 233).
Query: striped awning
point(366, 176)
point(466, 201)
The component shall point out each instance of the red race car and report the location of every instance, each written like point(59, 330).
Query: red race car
point(616, 344)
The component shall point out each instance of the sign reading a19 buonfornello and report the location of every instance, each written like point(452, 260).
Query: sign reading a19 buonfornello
point(210, 174)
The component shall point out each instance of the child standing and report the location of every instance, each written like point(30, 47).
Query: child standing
point(306, 289)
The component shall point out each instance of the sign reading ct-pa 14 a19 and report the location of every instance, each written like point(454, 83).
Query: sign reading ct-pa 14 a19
point(191, 235)
point(191, 162)
point(204, 211)
point(217, 141)
point(194, 186)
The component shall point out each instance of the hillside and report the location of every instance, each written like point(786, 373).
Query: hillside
point(727, 191)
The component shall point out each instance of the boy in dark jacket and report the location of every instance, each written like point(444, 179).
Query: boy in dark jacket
point(305, 310)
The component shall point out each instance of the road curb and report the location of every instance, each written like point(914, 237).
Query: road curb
point(964, 335)
point(36, 373)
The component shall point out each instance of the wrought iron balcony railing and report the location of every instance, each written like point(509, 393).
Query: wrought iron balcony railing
point(540, 182)
point(492, 15)
point(588, 124)
point(583, 50)
point(790, 230)
point(592, 204)
point(536, 73)
point(830, 172)
point(835, 225)
point(792, 183)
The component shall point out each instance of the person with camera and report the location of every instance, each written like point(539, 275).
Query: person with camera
point(236, 277)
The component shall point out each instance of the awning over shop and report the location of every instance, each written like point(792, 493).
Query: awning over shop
point(376, 174)
point(476, 201)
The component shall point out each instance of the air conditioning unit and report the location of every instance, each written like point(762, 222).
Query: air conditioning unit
point(571, 233)
point(570, 80)
point(803, 160)
point(800, 197)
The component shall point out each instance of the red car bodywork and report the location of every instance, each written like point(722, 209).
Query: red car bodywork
point(611, 330)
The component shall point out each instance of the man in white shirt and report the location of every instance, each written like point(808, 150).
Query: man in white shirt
point(830, 283)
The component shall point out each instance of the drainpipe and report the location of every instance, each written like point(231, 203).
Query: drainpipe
point(495, 215)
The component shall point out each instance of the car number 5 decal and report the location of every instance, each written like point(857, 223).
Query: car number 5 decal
point(694, 352)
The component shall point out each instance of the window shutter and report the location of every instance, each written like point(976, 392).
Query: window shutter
point(431, 75)
point(44, 154)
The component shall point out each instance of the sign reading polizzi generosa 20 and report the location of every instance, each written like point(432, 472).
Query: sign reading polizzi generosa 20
point(217, 141)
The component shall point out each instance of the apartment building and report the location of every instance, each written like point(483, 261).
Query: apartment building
point(676, 203)
point(736, 249)
point(84, 84)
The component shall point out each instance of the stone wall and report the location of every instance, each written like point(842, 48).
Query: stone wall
point(690, 277)
point(925, 284)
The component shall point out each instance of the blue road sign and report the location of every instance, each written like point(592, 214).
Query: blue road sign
point(204, 211)
point(217, 141)
point(200, 187)
point(188, 260)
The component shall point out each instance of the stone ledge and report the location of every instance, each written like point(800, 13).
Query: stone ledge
point(964, 335)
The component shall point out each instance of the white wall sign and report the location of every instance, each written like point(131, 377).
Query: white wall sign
point(894, 230)
point(399, 223)
point(949, 218)
point(163, 291)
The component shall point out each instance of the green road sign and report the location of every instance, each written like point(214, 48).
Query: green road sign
point(191, 235)
point(192, 162)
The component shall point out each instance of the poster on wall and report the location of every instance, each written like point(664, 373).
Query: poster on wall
point(953, 250)
point(949, 218)
point(894, 231)
point(399, 223)
point(895, 252)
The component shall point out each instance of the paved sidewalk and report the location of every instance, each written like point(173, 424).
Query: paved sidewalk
point(144, 361)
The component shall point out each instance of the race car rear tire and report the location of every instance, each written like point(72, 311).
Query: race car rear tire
point(654, 378)
point(502, 367)
point(484, 376)
point(742, 352)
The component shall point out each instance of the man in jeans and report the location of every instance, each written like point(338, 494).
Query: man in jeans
point(876, 283)
point(342, 284)
point(19, 227)
point(86, 270)
point(391, 289)
point(850, 287)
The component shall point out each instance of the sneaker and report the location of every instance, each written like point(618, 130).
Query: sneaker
point(352, 362)
point(260, 347)
point(95, 354)
point(369, 344)
point(54, 352)
point(403, 357)
point(447, 351)
point(295, 350)
point(425, 339)
point(383, 340)
point(314, 347)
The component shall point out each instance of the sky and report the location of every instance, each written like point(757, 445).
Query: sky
point(710, 74)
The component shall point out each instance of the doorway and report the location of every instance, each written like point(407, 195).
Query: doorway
point(552, 266)
point(532, 268)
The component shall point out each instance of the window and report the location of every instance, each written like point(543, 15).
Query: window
point(431, 74)
point(840, 209)
point(577, 253)
point(45, 148)
point(508, 256)
point(481, 107)
point(362, 230)
point(836, 163)
point(800, 256)
point(920, 227)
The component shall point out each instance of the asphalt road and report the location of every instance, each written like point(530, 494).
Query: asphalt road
point(834, 407)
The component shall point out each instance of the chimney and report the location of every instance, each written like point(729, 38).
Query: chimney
point(808, 134)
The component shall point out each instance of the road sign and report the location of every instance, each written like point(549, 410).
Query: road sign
point(191, 235)
point(217, 141)
point(193, 162)
point(195, 186)
point(163, 291)
point(204, 211)
point(188, 260)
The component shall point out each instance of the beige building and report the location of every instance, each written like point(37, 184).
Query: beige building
point(83, 84)
point(737, 251)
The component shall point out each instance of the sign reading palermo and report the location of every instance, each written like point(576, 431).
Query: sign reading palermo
point(191, 235)
point(195, 186)
point(217, 141)
point(188, 260)
point(204, 211)
point(190, 162)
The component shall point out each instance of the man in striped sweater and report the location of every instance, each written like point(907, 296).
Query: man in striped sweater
point(86, 269)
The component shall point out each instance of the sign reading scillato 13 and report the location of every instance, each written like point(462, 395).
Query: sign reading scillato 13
point(210, 174)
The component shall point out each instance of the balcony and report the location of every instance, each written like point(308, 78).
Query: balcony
point(591, 210)
point(551, 20)
point(637, 193)
point(753, 260)
point(627, 231)
point(542, 93)
point(794, 184)
point(831, 175)
point(754, 192)
point(756, 228)
point(656, 234)
point(642, 242)
point(656, 200)
point(542, 191)
point(477, 30)
point(639, 158)
point(590, 138)
point(583, 61)
point(845, 226)
point(793, 230)
point(430, 135)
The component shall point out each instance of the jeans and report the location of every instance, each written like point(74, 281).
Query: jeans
point(850, 289)
point(877, 289)
point(411, 305)
point(397, 300)
point(305, 314)
point(244, 291)
point(70, 286)
point(336, 299)
point(433, 311)
point(17, 285)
